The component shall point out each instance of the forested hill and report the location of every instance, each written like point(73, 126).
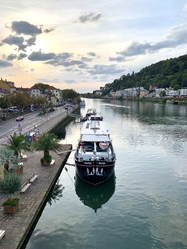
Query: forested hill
point(166, 73)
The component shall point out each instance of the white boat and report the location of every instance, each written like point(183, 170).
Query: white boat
point(82, 103)
point(91, 117)
point(90, 112)
point(94, 156)
point(172, 101)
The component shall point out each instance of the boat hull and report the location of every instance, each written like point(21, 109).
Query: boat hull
point(94, 172)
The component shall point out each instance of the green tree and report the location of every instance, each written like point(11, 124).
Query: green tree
point(22, 99)
point(38, 100)
point(78, 99)
point(5, 101)
point(69, 94)
point(17, 144)
point(46, 142)
point(41, 86)
point(163, 93)
point(176, 87)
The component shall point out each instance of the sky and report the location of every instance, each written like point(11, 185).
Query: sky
point(85, 44)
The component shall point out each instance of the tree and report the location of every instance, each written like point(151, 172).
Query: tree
point(38, 100)
point(5, 101)
point(41, 86)
point(46, 142)
point(78, 99)
point(22, 99)
point(163, 93)
point(176, 87)
point(17, 144)
point(69, 94)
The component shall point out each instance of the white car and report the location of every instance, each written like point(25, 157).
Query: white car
point(20, 118)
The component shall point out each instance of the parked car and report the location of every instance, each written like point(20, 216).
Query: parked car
point(13, 110)
point(20, 118)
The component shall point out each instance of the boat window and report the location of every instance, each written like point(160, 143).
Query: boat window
point(103, 146)
point(98, 148)
point(88, 146)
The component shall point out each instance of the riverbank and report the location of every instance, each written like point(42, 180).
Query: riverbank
point(18, 226)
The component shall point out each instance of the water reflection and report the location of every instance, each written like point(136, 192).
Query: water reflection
point(95, 196)
point(55, 194)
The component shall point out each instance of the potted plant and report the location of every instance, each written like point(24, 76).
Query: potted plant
point(46, 142)
point(10, 184)
point(10, 161)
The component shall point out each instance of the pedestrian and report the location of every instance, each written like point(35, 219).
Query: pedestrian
point(47, 115)
point(35, 129)
point(19, 128)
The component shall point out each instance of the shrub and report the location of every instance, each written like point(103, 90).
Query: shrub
point(10, 183)
point(11, 202)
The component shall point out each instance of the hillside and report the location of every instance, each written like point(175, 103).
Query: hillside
point(167, 73)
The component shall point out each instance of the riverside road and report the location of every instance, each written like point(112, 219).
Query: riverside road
point(18, 226)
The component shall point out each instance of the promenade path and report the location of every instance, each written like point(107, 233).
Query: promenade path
point(18, 226)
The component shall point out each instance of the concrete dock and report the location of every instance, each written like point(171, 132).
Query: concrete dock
point(18, 226)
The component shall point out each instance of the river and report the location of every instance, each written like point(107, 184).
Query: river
point(144, 205)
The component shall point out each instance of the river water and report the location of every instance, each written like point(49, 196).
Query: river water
point(144, 205)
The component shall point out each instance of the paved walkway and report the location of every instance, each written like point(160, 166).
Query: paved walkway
point(17, 226)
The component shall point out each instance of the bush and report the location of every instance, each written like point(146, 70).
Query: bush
point(11, 202)
point(10, 183)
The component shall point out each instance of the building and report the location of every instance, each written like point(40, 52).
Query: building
point(56, 92)
point(7, 86)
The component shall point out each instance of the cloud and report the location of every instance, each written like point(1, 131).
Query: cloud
point(105, 69)
point(25, 28)
point(59, 59)
point(71, 63)
point(83, 66)
point(118, 59)
point(92, 54)
point(11, 57)
point(86, 59)
point(135, 48)
point(70, 81)
point(21, 56)
point(31, 41)
point(90, 17)
point(39, 56)
point(15, 40)
point(64, 59)
point(46, 80)
point(176, 37)
point(48, 30)
point(4, 64)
